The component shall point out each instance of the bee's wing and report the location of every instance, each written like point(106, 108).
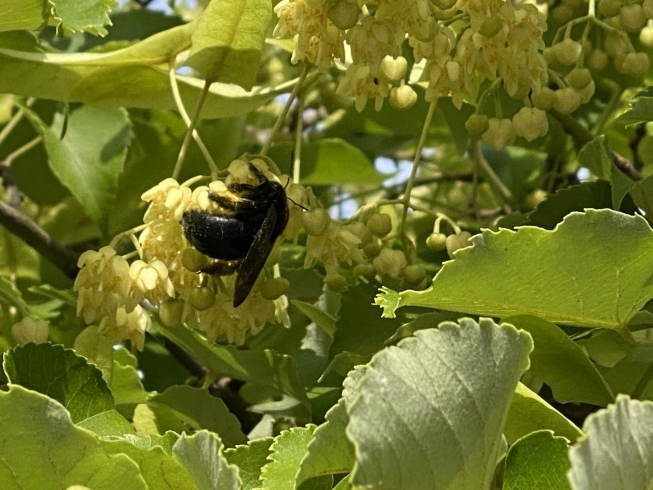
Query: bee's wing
point(256, 256)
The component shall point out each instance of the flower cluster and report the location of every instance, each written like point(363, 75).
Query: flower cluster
point(112, 292)
point(458, 43)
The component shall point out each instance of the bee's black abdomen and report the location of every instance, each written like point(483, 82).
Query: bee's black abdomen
point(219, 237)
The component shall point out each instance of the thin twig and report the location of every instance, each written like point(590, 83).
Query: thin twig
point(19, 224)
point(20, 151)
point(296, 164)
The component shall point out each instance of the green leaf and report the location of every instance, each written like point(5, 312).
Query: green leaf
point(640, 111)
point(329, 161)
point(633, 375)
point(89, 158)
point(21, 14)
point(201, 456)
point(643, 195)
point(538, 460)
point(158, 467)
point(17, 259)
point(135, 76)
point(250, 459)
point(452, 385)
point(548, 274)
point(41, 448)
point(562, 364)
point(126, 385)
point(329, 452)
point(228, 41)
point(321, 318)
point(60, 374)
point(153, 420)
point(264, 367)
point(109, 423)
point(594, 155)
point(529, 413)
point(618, 451)
point(287, 451)
point(200, 410)
point(555, 207)
point(81, 16)
point(11, 296)
point(97, 348)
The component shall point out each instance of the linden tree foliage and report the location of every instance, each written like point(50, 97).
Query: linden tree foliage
point(457, 295)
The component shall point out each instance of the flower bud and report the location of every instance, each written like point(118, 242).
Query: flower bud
point(379, 224)
point(414, 274)
point(361, 231)
point(444, 4)
point(344, 14)
point(491, 26)
point(316, 221)
point(597, 60)
point(646, 36)
point(579, 78)
point(550, 56)
point(587, 93)
point(393, 69)
point(390, 262)
point(631, 17)
point(335, 282)
point(477, 124)
point(562, 13)
point(436, 241)
point(567, 100)
point(647, 8)
point(30, 330)
point(194, 261)
point(568, 51)
point(500, 133)
point(202, 298)
point(534, 198)
point(402, 97)
point(171, 312)
point(364, 269)
point(274, 288)
point(544, 99)
point(610, 8)
point(636, 64)
point(372, 249)
point(456, 242)
point(530, 123)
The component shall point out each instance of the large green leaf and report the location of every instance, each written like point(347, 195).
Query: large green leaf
point(618, 451)
point(430, 411)
point(640, 111)
point(537, 461)
point(60, 374)
point(633, 374)
point(562, 364)
point(201, 456)
point(200, 410)
point(250, 459)
point(228, 41)
point(42, 449)
point(592, 270)
point(89, 158)
point(529, 413)
point(329, 161)
point(135, 76)
point(21, 14)
point(81, 15)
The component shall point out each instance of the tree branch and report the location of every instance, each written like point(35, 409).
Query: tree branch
point(579, 132)
point(17, 223)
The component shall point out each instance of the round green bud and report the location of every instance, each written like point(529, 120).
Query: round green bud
point(567, 100)
point(436, 241)
point(394, 69)
point(202, 298)
point(344, 13)
point(568, 51)
point(414, 274)
point(402, 97)
point(316, 221)
point(491, 26)
point(636, 64)
point(647, 8)
point(372, 249)
point(646, 35)
point(610, 8)
point(579, 78)
point(193, 260)
point(544, 99)
point(364, 269)
point(379, 224)
point(274, 288)
point(573, 3)
point(171, 311)
point(550, 56)
point(456, 242)
point(597, 60)
point(477, 124)
point(562, 13)
point(361, 231)
point(631, 17)
point(335, 282)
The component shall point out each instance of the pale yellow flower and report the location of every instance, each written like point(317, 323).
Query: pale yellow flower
point(168, 201)
point(127, 326)
point(150, 281)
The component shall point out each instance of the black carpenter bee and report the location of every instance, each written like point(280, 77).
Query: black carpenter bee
point(240, 233)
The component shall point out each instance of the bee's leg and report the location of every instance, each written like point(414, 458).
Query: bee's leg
point(221, 267)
